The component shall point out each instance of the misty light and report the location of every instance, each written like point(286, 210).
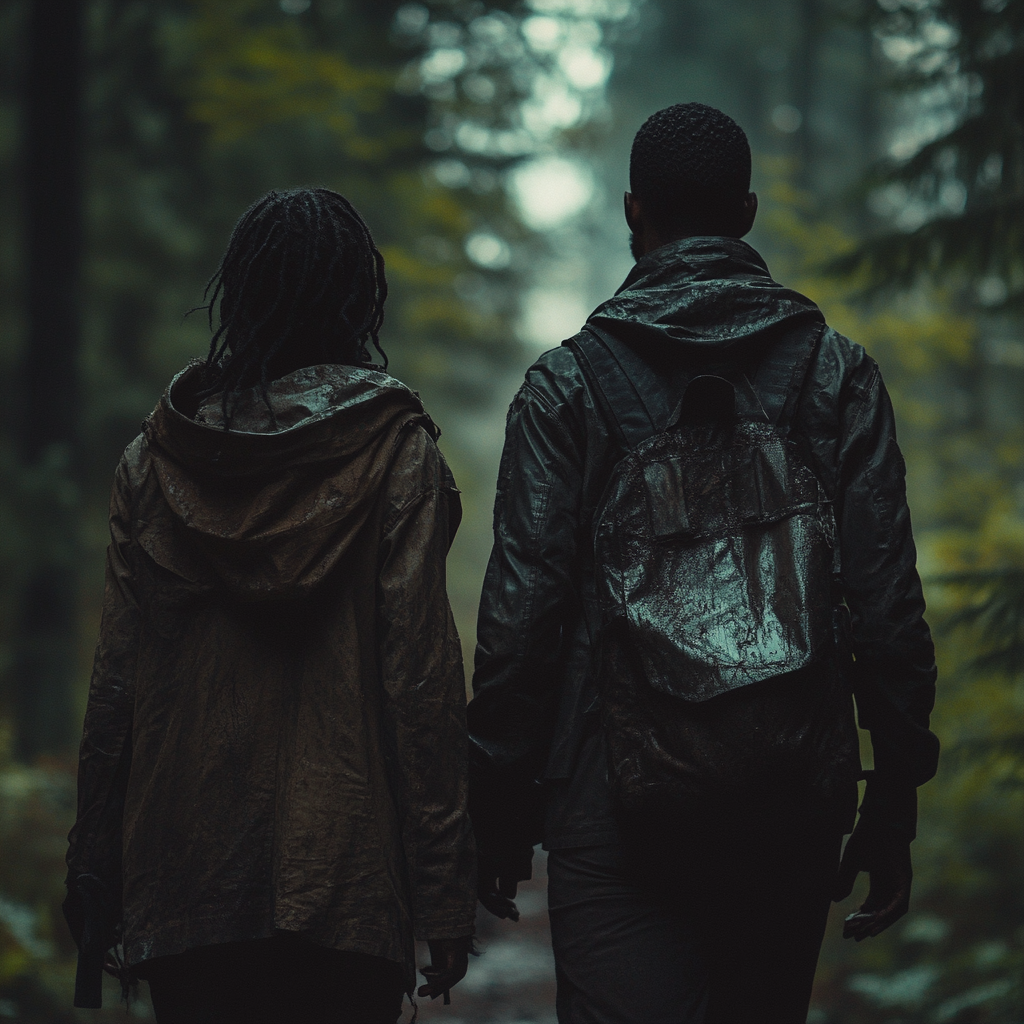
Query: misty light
point(488, 251)
point(440, 65)
point(787, 118)
point(551, 107)
point(549, 315)
point(612, 10)
point(585, 68)
point(550, 191)
point(543, 34)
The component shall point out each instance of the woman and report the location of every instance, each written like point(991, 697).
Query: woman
point(272, 776)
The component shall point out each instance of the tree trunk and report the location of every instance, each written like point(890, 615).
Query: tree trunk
point(803, 88)
point(49, 381)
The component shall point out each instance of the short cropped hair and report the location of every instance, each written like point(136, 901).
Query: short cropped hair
point(690, 169)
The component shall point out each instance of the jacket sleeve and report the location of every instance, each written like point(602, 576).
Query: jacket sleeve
point(527, 594)
point(425, 702)
point(894, 670)
point(93, 906)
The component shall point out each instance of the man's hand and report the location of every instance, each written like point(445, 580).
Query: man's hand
point(887, 861)
point(449, 961)
point(497, 895)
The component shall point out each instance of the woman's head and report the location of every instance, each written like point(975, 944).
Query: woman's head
point(301, 284)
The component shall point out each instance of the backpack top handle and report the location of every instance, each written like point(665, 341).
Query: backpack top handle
point(637, 401)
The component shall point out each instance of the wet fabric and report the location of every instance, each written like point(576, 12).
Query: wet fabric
point(703, 298)
point(714, 539)
point(714, 554)
point(696, 922)
point(275, 733)
point(699, 304)
point(274, 981)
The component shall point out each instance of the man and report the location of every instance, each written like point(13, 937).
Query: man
point(273, 771)
point(692, 882)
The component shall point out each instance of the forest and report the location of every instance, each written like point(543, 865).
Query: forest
point(486, 144)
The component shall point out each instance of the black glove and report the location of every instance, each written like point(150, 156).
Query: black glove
point(508, 819)
point(886, 858)
point(449, 961)
point(497, 895)
point(90, 913)
point(498, 879)
point(74, 914)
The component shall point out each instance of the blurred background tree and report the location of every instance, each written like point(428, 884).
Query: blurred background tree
point(185, 112)
point(952, 184)
point(46, 413)
point(950, 194)
point(486, 143)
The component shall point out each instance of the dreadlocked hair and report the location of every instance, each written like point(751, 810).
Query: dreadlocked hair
point(301, 284)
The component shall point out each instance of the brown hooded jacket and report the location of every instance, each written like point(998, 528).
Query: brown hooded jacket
point(275, 734)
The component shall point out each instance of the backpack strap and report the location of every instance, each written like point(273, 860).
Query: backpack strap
point(629, 391)
point(778, 381)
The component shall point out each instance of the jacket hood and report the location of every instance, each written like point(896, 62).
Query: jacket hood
point(269, 506)
point(702, 294)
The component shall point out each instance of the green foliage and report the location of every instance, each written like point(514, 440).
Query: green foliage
point(992, 604)
point(250, 70)
point(194, 110)
point(196, 107)
point(955, 175)
point(35, 950)
point(957, 957)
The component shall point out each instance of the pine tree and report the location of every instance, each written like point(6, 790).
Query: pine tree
point(954, 176)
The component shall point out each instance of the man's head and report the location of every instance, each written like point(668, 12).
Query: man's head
point(689, 174)
point(301, 284)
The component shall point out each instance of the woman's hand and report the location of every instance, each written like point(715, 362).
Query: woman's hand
point(449, 961)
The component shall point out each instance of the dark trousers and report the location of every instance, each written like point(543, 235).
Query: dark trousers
point(691, 924)
point(283, 979)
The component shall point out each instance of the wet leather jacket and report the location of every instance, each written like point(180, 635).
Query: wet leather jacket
point(698, 303)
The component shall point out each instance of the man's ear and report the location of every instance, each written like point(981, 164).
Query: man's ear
point(748, 213)
point(633, 211)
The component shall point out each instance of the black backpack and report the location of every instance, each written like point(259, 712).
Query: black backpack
point(715, 561)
